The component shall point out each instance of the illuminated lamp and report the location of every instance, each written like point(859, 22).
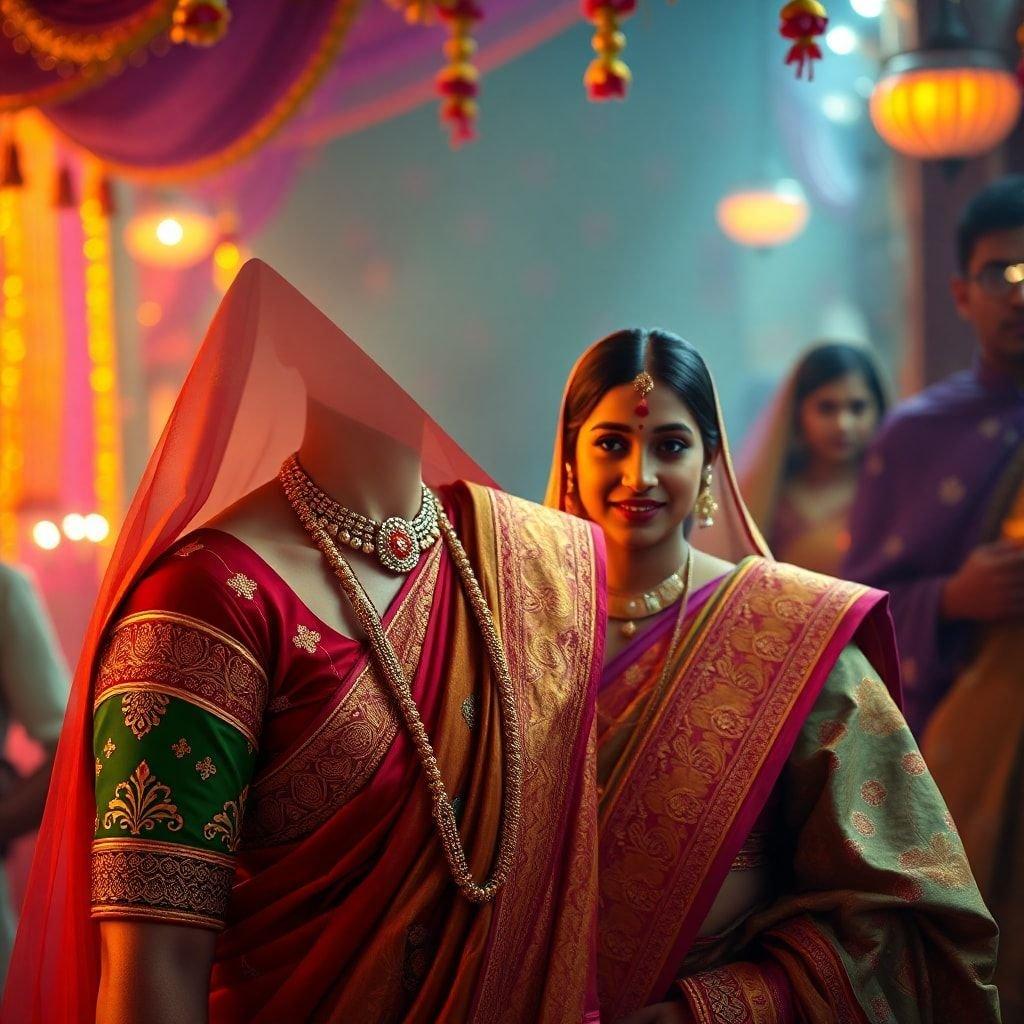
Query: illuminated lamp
point(764, 217)
point(46, 534)
point(74, 526)
point(950, 100)
point(170, 236)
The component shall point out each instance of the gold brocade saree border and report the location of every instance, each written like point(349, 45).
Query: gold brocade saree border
point(291, 799)
point(740, 674)
point(187, 658)
point(538, 963)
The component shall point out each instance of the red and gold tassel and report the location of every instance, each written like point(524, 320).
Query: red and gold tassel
point(64, 190)
point(803, 21)
point(459, 82)
point(608, 76)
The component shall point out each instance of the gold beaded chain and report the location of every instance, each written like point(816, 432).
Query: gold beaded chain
point(387, 661)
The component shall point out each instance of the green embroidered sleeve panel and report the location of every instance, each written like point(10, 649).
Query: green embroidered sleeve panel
point(178, 705)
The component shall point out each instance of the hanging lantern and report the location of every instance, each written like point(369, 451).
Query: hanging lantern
point(200, 22)
point(764, 216)
point(608, 76)
point(64, 190)
point(171, 236)
point(803, 21)
point(949, 100)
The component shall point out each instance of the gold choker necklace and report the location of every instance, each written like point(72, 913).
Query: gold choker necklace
point(396, 542)
point(631, 607)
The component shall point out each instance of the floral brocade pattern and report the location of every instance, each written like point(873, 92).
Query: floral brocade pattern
point(152, 655)
point(140, 803)
point(159, 882)
point(670, 802)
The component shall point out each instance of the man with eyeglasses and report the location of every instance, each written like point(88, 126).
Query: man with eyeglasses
point(939, 522)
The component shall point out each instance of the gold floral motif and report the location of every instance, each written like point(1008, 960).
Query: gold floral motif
point(99, 767)
point(206, 768)
point(181, 748)
point(140, 802)
point(830, 734)
point(469, 710)
point(108, 748)
point(873, 793)
point(878, 716)
point(862, 823)
point(913, 763)
point(142, 710)
point(942, 861)
point(306, 639)
point(188, 549)
point(243, 586)
point(227, 823)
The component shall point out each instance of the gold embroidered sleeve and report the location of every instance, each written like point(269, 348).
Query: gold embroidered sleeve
point(174, 746)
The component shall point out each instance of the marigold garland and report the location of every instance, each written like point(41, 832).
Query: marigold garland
point(608, 76)
point(802, 21)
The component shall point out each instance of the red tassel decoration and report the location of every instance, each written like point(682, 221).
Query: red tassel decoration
point(64, 190)
point(12, 176)
point(802, 21)
point(458, 83)
point(608, 76)
point(102, 190)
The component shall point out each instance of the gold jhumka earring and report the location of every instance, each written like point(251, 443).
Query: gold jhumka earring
point(570, 480)
point(705, 507)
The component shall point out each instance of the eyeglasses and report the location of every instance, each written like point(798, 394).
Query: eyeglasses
point(1000, 280)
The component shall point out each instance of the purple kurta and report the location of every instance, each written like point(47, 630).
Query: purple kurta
point(923, 504)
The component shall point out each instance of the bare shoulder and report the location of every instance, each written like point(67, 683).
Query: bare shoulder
point(260, 518)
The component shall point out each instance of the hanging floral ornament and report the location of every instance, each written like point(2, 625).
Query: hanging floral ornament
point(458, 83)
point(802, 21)
point(608, 76)
point(200, 22)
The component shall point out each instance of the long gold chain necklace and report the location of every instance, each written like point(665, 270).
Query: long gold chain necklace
point(630, 607)
point(387, 661)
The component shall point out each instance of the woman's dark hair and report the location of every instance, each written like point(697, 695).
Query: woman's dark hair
point(620, 357)
point(828, 362)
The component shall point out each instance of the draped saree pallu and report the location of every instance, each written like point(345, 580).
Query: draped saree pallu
point(252, 775)
point(776, 712)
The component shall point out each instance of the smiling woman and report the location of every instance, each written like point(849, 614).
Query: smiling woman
point(765, 819)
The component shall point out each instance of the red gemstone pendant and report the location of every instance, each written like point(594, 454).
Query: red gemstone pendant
point(396, 546)
point(642, 409)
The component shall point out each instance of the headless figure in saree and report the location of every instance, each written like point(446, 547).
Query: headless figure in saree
point(772, 846)
point(304, 809)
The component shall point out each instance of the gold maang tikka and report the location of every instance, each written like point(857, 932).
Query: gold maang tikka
point(643, 383)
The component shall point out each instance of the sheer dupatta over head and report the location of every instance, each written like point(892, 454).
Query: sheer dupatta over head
point(241, 411)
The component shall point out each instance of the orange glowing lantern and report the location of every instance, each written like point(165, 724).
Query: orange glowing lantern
point(172, 236)
point(764, 217)
point(948, 101)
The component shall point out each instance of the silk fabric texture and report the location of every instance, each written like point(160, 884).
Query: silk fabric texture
point(267, 349)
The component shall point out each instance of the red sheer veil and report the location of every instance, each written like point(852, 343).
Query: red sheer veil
point(240, 412)
point(734, 534)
